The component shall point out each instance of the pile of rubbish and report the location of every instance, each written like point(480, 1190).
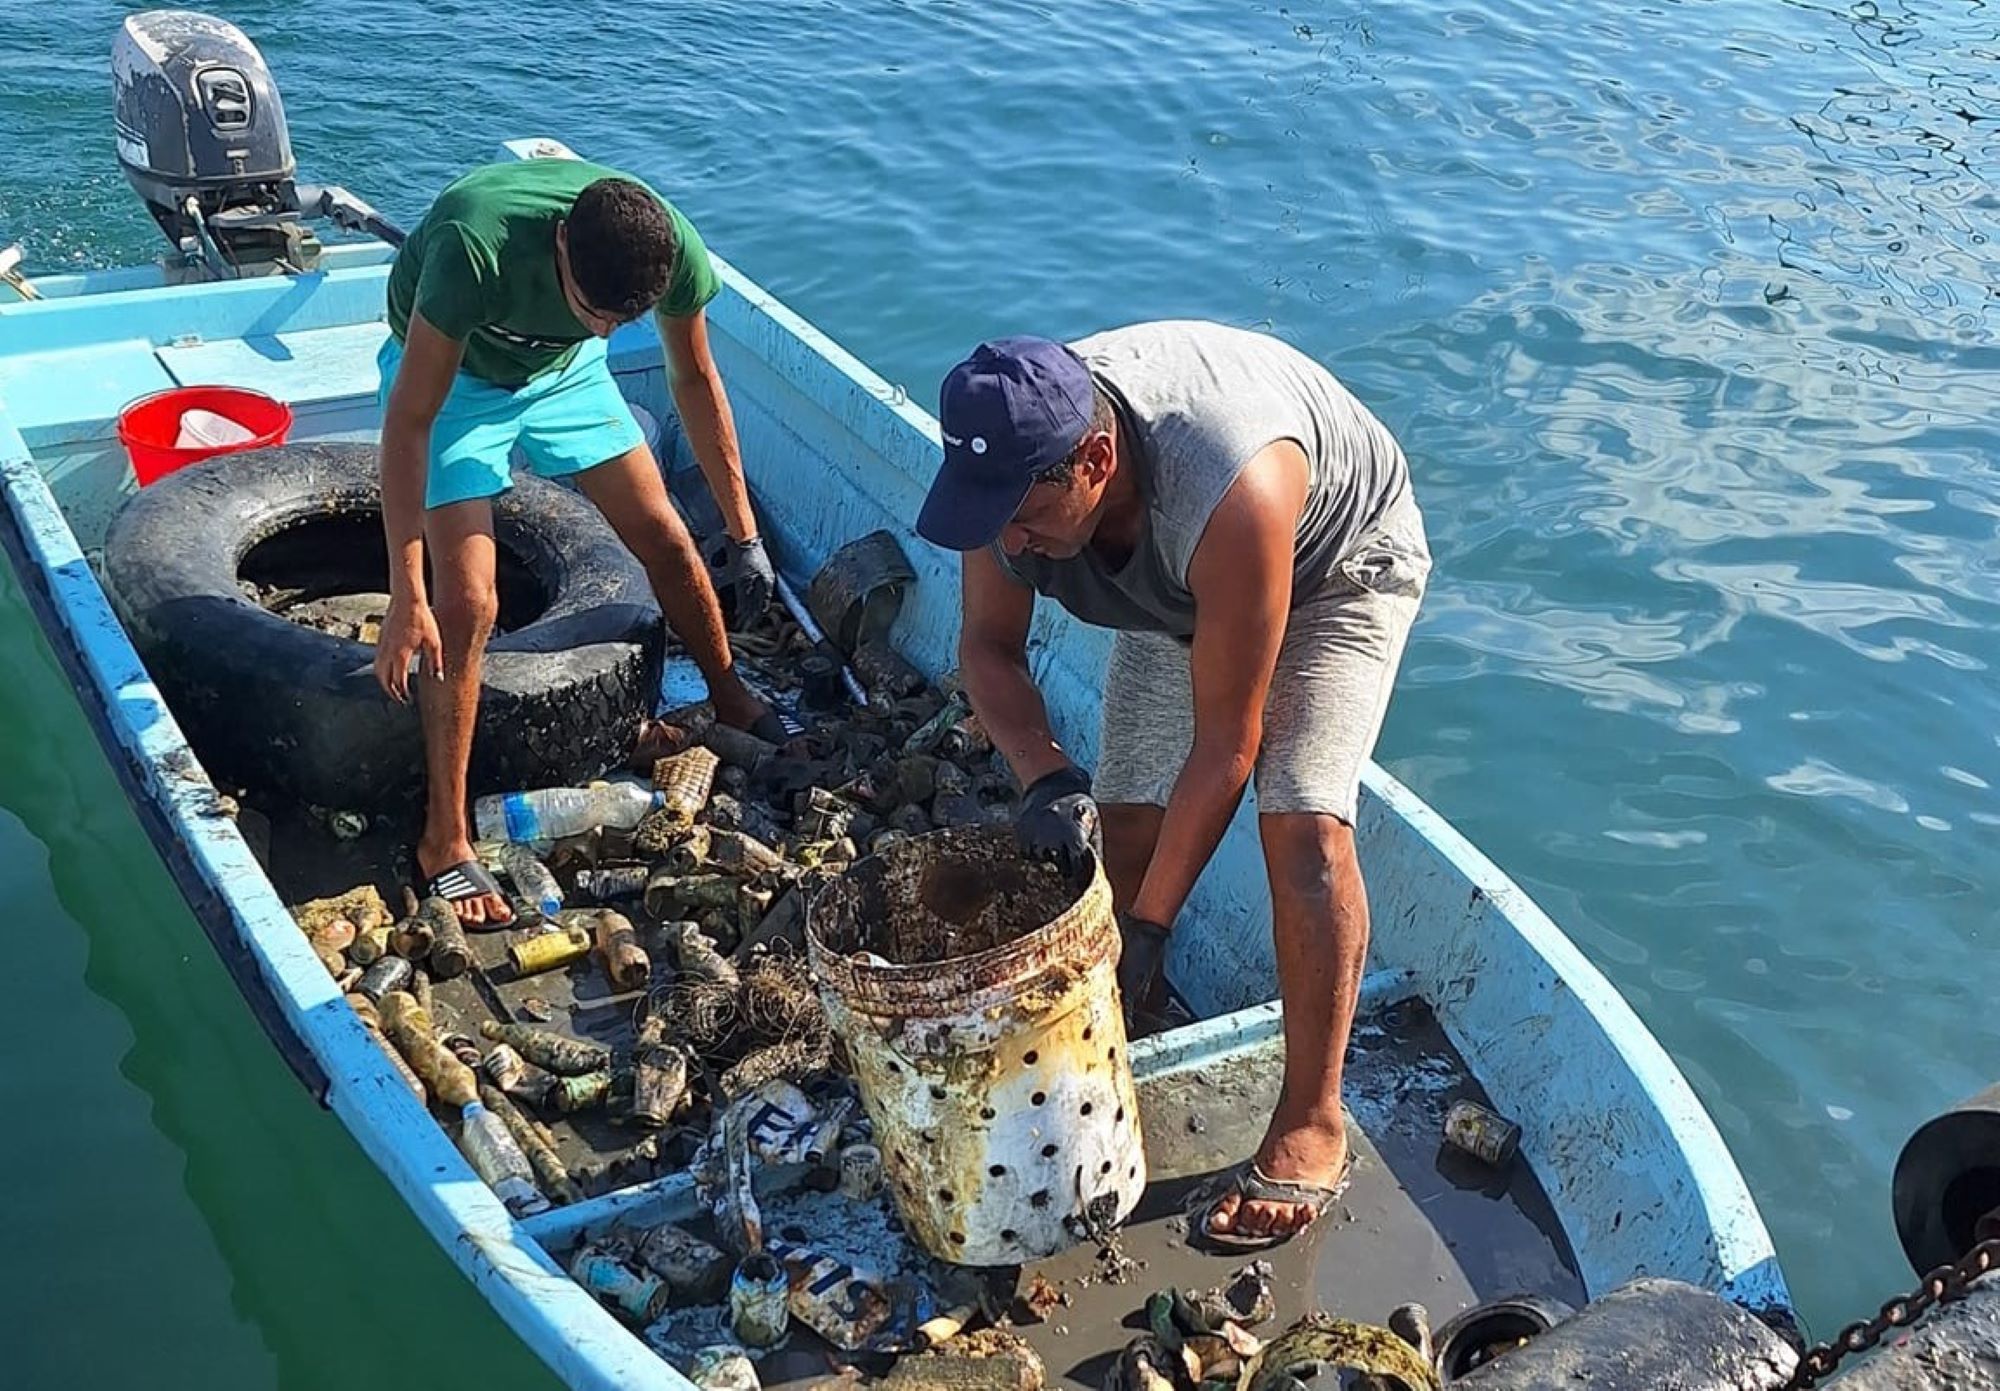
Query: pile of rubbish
point(648, 1011)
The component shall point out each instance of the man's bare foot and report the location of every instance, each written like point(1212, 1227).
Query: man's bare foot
point(1312, 1152)
point(435, 857)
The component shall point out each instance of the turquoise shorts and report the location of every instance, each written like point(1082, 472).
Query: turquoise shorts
point(565, 422)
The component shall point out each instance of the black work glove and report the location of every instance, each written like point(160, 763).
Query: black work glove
point(743, 578)
point(1058, 821)
point(1142, 974)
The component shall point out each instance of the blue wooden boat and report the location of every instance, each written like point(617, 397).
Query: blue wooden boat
point(1472, 990)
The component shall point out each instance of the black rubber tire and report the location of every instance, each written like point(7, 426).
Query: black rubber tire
point(287, 711)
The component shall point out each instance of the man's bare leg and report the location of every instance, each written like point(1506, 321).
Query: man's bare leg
point(464, 600)
point(629, 492)
point(1319, 925)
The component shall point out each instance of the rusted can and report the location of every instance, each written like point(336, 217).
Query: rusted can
point(826, 854)
point(626, 965)
point(695, 1271)
point(549, 951)
point(411, 937)
point(737, 746)
point(928, 736)
point(700, 960)
point(505, 1068)
point(450, 954)
point(670, 895)
point(659, 1083)
point(614, 883)
point(568, 1095)
point(733, 814)
point(886, 672)
point(556, 1053)
point(820, 815)
point(388, 974)
point(861, 1172)
point(758, 1294)
point(976, 997)
point(642, 1298)
point(371, 938)
point(820, 682)
point(692, 853)
point(1485, 1135)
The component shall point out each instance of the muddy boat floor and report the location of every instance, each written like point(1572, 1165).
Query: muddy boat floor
point(1419, 1222)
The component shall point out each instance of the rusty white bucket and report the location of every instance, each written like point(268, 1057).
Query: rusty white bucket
point(977, 997)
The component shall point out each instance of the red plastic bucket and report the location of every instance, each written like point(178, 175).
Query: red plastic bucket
point(149, 426)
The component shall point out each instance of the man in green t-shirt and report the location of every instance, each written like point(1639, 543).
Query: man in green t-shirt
point(499, 305)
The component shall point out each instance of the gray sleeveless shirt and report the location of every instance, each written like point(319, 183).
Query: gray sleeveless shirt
point(1200, 400)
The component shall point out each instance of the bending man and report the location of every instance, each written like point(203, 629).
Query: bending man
point(1248, 529)
point(499, 305)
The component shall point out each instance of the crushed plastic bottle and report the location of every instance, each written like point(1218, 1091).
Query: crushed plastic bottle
point(551, 813)
point(496, 1158)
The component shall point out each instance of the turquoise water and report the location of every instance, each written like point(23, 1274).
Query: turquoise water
point(1684, 312)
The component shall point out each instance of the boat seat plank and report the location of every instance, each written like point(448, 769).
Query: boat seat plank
point(307, 365)
point(72, 395)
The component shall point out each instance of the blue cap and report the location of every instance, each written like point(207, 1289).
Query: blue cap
point(1013, 409)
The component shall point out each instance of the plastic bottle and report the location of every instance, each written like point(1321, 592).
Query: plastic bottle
point(554, 812)
point(495, 1157)
point(532, 880)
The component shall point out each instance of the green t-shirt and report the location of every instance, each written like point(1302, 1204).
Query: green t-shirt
point(481, 267)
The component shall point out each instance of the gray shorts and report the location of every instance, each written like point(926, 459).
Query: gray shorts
point(1328, 693)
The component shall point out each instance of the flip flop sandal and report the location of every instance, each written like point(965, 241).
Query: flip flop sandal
point(1253, 1185)
point(468, 879)
point(774, 727)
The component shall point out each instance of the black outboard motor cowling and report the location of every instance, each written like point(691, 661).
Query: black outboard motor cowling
point(201, 134)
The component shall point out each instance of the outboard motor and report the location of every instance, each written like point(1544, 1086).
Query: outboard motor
point(202, 138)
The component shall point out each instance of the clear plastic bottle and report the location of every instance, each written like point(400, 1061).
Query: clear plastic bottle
point(495, 1157)
point(532, 879)
point(551, 813)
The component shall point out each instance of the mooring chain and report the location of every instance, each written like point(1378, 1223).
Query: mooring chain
point(1946, 1283)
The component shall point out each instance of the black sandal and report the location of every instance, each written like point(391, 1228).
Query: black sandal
point(467, 880)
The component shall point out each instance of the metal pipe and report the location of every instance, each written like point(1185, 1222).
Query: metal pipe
point(804, 619)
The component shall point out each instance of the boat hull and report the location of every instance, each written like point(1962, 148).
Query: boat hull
point(1637, 1175)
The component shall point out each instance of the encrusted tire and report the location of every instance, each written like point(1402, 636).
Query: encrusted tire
point(291, 711)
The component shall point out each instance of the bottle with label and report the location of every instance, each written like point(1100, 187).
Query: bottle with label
point(495, 1156)
point(551, 813)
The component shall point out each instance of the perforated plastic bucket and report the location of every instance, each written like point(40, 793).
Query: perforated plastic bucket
point(149, 426)
point(997, 1081)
